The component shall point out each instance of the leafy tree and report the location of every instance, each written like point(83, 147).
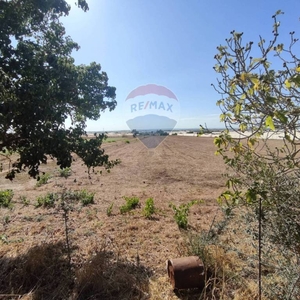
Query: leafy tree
point(260, 99)
point(41, 86)
point(134, 133)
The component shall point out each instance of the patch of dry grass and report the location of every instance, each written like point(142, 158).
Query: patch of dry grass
point(105, 276)
point(34, 261)
point(42, 272)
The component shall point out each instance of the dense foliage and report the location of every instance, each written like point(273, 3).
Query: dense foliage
point(41, 87)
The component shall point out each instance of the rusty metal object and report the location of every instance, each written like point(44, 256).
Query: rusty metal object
point(186, 272)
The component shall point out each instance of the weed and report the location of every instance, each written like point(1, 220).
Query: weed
point(65, 172)
point(85, 197)
point(3, 239)
point(149, 209)
point(182, 212)
point(28, 218)
point(43, 179)
point(131, 203)
point(6, 220)
point(39, 218)
point(109, 210)
point(47, 200)
point(24, 200)
point(127, 142)
point(5, 198)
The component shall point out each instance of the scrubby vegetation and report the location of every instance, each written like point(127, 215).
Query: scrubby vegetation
point(62, 244)
point(259, 102)
point(131, 203)
point(5, 198)
point(181, 213)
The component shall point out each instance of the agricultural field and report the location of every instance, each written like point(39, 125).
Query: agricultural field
point(109, 249)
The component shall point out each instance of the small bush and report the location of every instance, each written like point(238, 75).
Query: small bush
point(127, 142)
point(43, 179)
point(131, 203)
point(109, 210)
point(85, 197)
point(181, 213)
point(65, 172)
point(47, 201)
point(149, 209)
point(70, 195)
point(5, 198)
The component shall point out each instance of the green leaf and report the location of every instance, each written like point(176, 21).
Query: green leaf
point(243, 77)
point(287, 84)
point(251, 91)
point(287, 137)
point(295, 79)
point(222, 117)
point(281, 116)
point(251, 142)
point(218, 141)
point(237, 109)
point(271, 99)
point(232, 89)
point(269, 122)
point(254, 79)
point(251, 196)
point(243, 127)
point(257, 60)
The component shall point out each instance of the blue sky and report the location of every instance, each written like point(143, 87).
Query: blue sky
point(170, 43)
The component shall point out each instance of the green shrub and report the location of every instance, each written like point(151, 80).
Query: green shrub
point(65, 172)
point(181, 213)
point(70, 195)
point(43, 179)
point(127, 142)
point(5, 198)
point(47, 200)
point(149, 209)
point(109, 210)
point(131, 203)
point(85, 197)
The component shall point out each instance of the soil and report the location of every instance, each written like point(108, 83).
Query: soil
point(179, 170)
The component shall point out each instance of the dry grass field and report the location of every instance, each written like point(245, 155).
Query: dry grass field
point(113, 255)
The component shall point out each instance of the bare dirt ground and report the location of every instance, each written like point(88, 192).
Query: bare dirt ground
point(179, 170)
